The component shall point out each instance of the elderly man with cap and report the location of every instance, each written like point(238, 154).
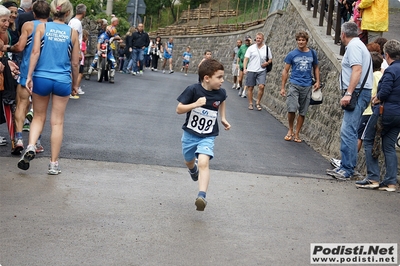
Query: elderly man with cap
point(240, 58)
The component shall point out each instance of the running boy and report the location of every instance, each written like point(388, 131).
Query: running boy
point(186, 59)
point(207, 55)
point(201, 103)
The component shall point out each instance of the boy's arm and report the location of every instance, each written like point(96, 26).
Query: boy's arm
point(221, 110)
point(184, 108)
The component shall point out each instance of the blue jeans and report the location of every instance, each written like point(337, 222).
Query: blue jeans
point(348, 133)
point(390, 131)
point(137, 55)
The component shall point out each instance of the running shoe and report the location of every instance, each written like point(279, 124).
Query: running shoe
point(74, 97)
point(195, 175)
point(234, 86)
point(28, 156)
point(171, 71)
point(18, 147)
point(163, 71)
point(200, 203)
point(39, 148)
point(26, 127)
point(389, 188)
point(141, 72)
point(366, 183)
point(29, 116)
point(3, 141)
point(54, 168)
point(133, 73)
point(80, 91)
point(335, 162)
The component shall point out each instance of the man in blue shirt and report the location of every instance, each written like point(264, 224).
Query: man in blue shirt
point(303, 61)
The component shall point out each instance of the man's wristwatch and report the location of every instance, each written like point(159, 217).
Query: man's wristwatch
point(347, 93)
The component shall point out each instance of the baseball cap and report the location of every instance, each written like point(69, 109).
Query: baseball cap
point(247, 38)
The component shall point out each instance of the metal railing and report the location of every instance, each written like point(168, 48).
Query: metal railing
point(329, 12)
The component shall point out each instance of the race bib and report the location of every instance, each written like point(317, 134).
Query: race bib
point(202, 120)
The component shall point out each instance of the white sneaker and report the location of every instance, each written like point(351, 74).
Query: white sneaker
point(234, 86)
point(163, 71)
point(80, 91)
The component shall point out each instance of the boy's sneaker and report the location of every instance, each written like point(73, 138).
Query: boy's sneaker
point(133, 73)
point(141, 72)
point(39, 148)
point(195, 175)
point(26, 127)
point(18, 147)
point(200, 203)
point(28, 156)
point(80, 91)
point(335, 162)
point(54, 168)
point(171, 71)
point(234, 86)
point(367, 184)
point(243, 94)
point(383, 187)
point(238, 87)
point(185, 74)
point(29, 116)
point(338, 174)
point(163, 71)
point(155, 69)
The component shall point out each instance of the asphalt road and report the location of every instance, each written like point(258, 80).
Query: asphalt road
point(125, 198)
point(134, 121)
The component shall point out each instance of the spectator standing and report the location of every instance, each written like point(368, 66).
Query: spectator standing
point(76, 24)
point(156, 51)
point(140, 40)
point(235, 67)
point(48, 78)
point(375, 17)
point(241, 53)
point(388, 96)
point(202, 102)
point(168, 49)
point(254, 64)
point(128, 50)
point(356, 66)
point(121, 56)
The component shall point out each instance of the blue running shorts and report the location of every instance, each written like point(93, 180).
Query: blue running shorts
point(193, 145)
point(44, 87)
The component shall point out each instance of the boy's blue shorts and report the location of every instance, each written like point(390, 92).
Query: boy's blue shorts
point(193, 145)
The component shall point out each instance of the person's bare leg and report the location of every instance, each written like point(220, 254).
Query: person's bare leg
point(59, 105)
point(22, 107)
point(40, 104)
point(204, 172)
point(260, 93)
point(250, 95)
point(291, 117)
point(299, 125)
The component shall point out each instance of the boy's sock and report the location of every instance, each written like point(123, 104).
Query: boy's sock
point(201, 194)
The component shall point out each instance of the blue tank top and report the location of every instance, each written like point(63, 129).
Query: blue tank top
point(26, 53)
point(55, 56)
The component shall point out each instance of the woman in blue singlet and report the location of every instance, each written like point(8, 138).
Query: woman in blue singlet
point(48, 78)
point(169, 46)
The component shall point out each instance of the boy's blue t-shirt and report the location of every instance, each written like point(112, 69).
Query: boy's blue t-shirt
point(202, 121)
point(186, 57)
point(302, 65)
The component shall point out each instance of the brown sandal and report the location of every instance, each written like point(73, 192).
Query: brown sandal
point(298, 140)
point(258, 107)
point(250, 107)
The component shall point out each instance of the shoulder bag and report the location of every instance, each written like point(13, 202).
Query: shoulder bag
point(269, 67)
point(354, 96)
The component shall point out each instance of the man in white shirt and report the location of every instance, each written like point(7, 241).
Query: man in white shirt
point(76, 24)
point(254, 65)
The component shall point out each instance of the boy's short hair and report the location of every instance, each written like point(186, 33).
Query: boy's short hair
point(377, 60)
point(207, 51)
point(209, 67)
point(41, 9)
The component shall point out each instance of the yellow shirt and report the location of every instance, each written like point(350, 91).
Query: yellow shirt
point(377, 77)
point(375, 15)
